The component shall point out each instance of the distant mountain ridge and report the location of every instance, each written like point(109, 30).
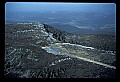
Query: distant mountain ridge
point(72, 22)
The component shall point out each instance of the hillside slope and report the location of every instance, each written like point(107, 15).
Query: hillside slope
point(26, 58)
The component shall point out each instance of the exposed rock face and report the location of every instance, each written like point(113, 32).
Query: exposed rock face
point(25, 58)
point(57, 34)
point(104, 42)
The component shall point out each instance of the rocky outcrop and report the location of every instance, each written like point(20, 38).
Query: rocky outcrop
point(103, 42)
point(57, 34)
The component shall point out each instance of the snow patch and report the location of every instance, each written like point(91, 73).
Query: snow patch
point(75, 45)
point(58, 61)
point(32, 58)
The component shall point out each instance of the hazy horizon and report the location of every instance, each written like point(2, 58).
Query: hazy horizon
point(58, 6)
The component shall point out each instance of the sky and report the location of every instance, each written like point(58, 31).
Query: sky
point(57, 6)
